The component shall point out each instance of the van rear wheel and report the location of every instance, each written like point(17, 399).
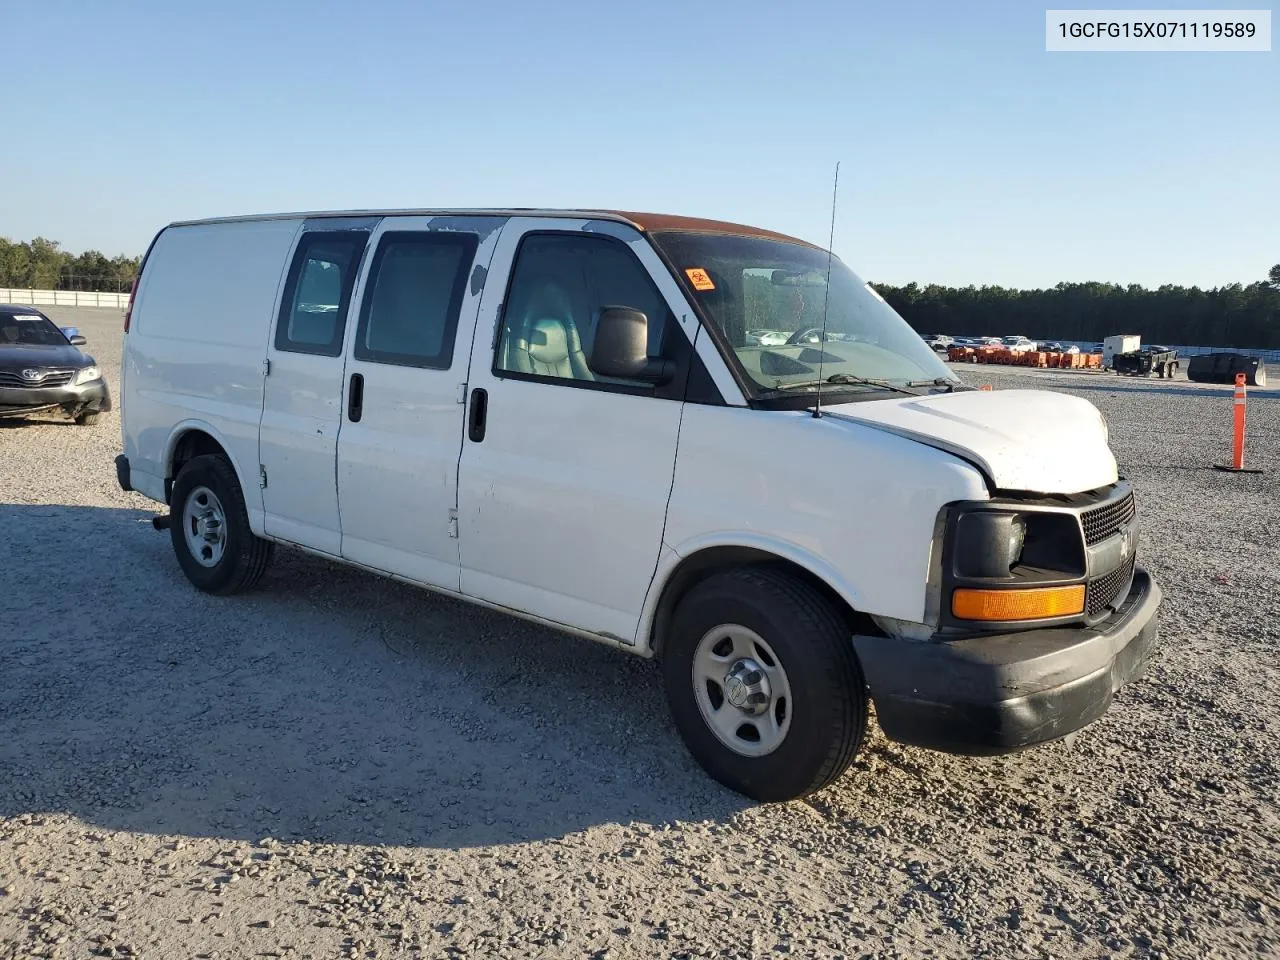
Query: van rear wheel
point(764, 684)
point(209, 527)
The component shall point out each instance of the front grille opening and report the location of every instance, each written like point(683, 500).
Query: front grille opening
point(52, 378)
point(1108, 519)
point(1103, 592)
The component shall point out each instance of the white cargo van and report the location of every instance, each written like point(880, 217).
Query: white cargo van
point(609, 423)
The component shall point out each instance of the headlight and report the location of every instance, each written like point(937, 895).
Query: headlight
point(85, 374)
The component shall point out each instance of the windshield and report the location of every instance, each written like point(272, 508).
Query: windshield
point(29, 329)
point(766, 298)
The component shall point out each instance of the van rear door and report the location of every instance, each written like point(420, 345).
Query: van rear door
point(406, 368)
point(302, 401)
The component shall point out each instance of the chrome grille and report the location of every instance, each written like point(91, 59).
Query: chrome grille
point(1101, 522)
point(51, 378)
point(1103, 591)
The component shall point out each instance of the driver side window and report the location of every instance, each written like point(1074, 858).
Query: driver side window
point(559, 285)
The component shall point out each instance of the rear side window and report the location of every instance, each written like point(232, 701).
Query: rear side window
point(318, 292)
point(412, 299)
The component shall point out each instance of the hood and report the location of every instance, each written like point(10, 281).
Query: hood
point(1032, 440)
point(26, 355)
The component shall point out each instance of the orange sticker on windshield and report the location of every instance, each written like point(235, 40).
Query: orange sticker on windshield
point(699, 278)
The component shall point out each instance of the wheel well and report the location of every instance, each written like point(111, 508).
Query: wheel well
point(706, 563)
point(193, 443)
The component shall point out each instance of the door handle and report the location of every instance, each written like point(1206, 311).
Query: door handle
point(355, 398)
point(479, 414)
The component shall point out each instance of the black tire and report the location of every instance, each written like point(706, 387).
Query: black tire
point(88, 418)
point(244, 556)
point(828, 713)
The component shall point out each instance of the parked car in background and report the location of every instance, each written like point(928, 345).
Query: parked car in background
point(939, 341)
point(1051, 346)
point(42, 368)
point(1017, 344)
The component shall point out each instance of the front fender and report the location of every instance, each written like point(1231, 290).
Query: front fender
point(671, 559)
point(854, 505)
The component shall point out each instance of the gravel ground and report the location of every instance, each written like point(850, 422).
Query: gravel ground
point(336, 765)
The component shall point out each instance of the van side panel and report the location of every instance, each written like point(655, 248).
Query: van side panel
point(193, 354)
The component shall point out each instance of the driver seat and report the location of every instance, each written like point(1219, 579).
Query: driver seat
point(547, 341)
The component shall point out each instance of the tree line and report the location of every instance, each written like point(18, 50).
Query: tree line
point(42, 264)
point(1235, 315)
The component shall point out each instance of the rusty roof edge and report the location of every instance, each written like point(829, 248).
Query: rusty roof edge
point(657, 222)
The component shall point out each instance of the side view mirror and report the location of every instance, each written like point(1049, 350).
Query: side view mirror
point(73, 334)
point(621, 348)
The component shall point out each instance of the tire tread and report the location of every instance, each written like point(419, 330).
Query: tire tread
point(845, 673)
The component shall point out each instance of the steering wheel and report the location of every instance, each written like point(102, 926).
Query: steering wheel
point(799, 335)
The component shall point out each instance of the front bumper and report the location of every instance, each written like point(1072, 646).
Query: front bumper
point(73, 399)
point(1000, 693)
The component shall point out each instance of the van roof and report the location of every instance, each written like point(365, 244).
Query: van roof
point(645, 222)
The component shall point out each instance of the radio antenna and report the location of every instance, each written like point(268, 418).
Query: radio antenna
point(826, 295)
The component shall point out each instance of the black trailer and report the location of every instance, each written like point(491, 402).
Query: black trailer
point(1142, 363)
point(1223, 366)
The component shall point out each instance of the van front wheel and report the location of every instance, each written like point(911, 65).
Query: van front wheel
point(764, 684)
point(209, 526)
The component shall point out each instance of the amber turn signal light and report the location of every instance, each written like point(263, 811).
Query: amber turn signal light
point(1034, 603)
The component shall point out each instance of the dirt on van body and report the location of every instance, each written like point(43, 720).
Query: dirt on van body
point(336, 765)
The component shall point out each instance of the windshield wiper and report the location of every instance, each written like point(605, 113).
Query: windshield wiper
point(843, 378)
point(947, 382)
point(884, 384)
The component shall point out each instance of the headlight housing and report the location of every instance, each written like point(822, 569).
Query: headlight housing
point(988, 544)
point(85, 374)
point(1004, 562)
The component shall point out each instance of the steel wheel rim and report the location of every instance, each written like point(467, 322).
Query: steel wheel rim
point(204, 525)
point(749, 714)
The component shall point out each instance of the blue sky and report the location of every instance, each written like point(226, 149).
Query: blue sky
point(969, 154)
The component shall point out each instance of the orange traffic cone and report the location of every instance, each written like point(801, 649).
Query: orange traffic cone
point(1237, 440)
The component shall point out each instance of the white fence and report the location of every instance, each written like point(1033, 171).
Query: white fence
point(65, 298)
